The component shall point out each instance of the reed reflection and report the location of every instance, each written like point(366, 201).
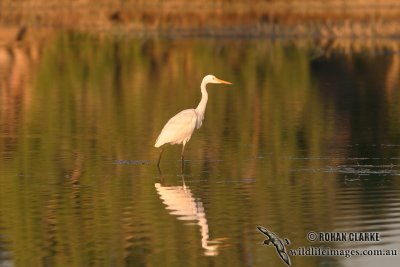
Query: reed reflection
point(180, 202)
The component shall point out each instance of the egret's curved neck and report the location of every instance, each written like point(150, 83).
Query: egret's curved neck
point(201, 107)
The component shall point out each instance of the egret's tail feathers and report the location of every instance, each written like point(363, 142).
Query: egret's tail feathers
point(158, 142)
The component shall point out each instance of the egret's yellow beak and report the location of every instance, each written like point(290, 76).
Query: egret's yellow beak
point(222, 81)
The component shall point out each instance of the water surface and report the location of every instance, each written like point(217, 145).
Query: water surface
point(306, 139)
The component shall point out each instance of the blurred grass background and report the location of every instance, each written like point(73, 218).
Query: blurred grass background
point(275, 18)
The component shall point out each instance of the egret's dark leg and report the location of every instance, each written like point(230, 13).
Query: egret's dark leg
point(182, 158)
point(183, 149)
point(159, 158)
point(160, 173)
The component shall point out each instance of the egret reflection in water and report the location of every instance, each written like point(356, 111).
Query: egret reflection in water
point(180, 202)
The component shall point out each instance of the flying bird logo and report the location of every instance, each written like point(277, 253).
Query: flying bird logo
point(279, 244)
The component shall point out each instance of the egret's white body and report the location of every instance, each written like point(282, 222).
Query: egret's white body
point(179, 129)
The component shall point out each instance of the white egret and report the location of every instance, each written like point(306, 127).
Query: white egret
point(180, 127)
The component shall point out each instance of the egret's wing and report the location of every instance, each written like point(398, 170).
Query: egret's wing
point(199, 121)
point(178, 129)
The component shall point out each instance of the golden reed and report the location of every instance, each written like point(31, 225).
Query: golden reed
point(275, 18)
